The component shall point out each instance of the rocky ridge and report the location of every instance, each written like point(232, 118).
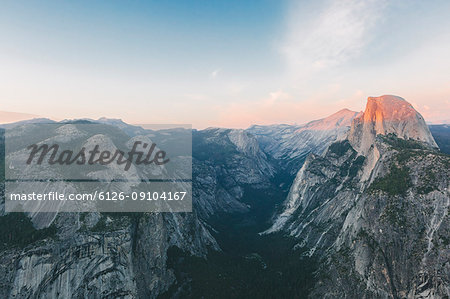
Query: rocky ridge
point(291, 144)
point(374, 207)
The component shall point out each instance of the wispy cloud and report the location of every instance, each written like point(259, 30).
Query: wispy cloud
point(215, 73)
point(336, 33)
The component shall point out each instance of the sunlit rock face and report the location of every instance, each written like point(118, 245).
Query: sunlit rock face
point(385, 115)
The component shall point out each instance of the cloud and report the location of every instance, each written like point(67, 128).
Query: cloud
point(337, 32)
point(215, 73)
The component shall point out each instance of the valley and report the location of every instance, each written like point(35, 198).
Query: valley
point(354, 204)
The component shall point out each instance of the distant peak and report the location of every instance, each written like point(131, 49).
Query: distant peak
point(385, 115)
point(342, 118)
point(115, 120)
point(345, 110)
point(343, 113)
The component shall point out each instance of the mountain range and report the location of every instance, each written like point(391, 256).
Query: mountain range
point(351, 205)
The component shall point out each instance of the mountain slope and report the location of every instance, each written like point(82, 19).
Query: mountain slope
point(84, 255)
point(126, 254)
point(225, 162)
point(371, 203)
point(291, 144)
point(374, 208)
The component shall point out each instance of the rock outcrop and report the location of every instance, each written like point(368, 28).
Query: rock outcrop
point(385, 115)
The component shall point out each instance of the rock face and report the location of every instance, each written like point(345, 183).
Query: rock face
point(374, 208)
point(290, 145)
point(122, 258)
point(388, 115)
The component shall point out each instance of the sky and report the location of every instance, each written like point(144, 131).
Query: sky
point(222, 63)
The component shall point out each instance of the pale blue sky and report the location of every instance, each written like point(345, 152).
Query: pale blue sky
point(221, 63)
